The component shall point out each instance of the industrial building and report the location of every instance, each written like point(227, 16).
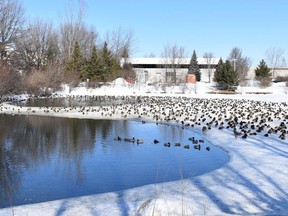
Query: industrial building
point(168, 70)
point(174, 71)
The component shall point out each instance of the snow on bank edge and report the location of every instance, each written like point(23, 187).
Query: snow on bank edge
point(255, 181)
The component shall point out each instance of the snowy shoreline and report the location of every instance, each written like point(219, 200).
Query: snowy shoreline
point(255, 181)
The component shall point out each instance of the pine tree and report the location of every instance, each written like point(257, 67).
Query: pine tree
point(75, 65)
point(232, 76)
point(194, 67)
point(219, 73)
point(94, 66)
point(107, 60)
point(262, 70)
point(225, 75)
point(110, 66)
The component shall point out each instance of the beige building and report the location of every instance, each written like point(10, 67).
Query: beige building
point(168, 70)
point(277, 72)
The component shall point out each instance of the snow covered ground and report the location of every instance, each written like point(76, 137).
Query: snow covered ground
point(254, 182)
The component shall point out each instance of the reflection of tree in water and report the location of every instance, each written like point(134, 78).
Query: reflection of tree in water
point(77, 137)
point(27, 141)
point(8, 172)
point(8, 175)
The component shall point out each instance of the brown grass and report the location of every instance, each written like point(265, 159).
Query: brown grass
point(222, 92)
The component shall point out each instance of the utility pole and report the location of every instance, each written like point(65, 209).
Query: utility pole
point(234, 63)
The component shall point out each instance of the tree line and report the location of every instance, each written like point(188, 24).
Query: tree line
point(37, 57)
point(234, 70)
point(228, 75)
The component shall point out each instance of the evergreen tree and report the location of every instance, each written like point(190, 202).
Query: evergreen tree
point(219, 73)
point(225, 74)
point(232, 76)
point(194, 67)
point(110, 67)
point(94, 66)
point(75, 65)
point(106, 57)
point(262, 70)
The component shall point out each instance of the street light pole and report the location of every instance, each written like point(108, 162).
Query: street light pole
point(234, 61)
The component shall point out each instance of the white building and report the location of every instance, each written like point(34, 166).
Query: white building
point(276, 73)
point(166, 70)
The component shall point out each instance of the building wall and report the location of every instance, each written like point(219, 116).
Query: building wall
point(159, 75)
point(283, 72)
point(152, 70)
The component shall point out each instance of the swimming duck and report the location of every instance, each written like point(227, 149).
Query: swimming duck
point(139, 141)
point(118, 138)
point(167, 144)
point(129, 139)
point(155, 141)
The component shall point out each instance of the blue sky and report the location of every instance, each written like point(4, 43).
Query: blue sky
point(214, 26)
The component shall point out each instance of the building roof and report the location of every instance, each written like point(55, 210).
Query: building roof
point(161, 61)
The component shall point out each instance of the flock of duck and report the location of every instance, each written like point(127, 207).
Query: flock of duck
point(168, 144)
point(244, 118)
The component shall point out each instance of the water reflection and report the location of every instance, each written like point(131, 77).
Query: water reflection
point(46, 158)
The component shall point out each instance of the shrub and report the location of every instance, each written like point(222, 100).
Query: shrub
point(265, 81)
point(10, 80)
point(44, 82)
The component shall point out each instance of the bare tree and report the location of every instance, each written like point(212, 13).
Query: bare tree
point(9, 79)
point(11, 19)
point(121, 43)
point(36, 46)
point(173, 56)
point(209, 60)
point(74, 29)
point(241, 64)
point(36, 83)
point(151, 55)
point(53, 48)
point(44, 81)
point(128, 72)
point(72, 32)
point(274, 58)
point(55, 75)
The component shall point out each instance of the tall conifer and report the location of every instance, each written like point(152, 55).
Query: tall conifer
point(225, 74)
point(110, 66)
point(94, 66)
point(262, 70)
point(219, 73)
point(75, 66)
point(194, 67)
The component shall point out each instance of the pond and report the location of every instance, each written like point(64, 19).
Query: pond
point(48, 158)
